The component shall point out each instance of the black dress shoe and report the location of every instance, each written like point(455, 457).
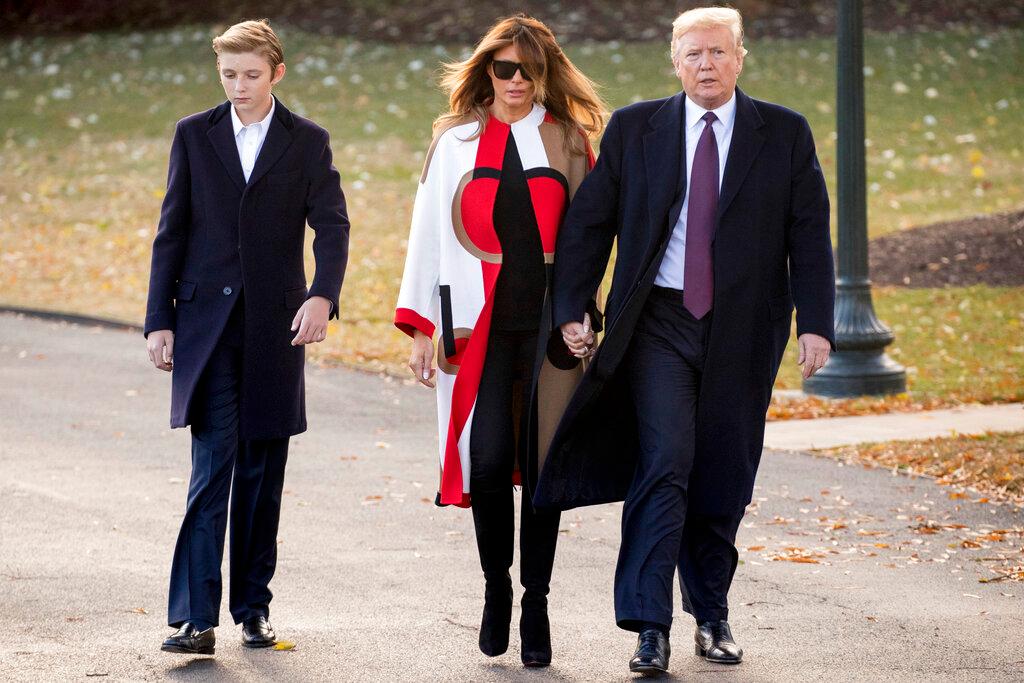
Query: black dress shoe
point(714, 642)
point(535, 635)
point(188, 640)
point(497, 618)
point(652, 652)
point(257, 632)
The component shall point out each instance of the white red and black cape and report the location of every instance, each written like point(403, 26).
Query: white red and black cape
point(453, 262)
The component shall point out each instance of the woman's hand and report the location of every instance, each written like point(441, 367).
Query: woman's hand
point(579, 337)
point(421, 360)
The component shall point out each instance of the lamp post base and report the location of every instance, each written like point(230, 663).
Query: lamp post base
point(858, 373)
point(860, 366)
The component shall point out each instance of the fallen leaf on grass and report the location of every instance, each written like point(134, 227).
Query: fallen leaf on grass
point(284, 645)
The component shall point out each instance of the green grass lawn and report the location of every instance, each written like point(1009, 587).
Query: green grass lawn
point(86, 125)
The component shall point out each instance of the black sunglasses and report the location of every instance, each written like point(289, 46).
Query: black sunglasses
point(506, 70)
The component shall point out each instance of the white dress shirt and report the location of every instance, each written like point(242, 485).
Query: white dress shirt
point(249, 139)
point(671, 272)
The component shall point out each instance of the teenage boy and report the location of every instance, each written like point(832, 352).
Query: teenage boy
point(228, 315)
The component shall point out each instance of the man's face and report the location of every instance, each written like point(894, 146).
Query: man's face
point(708, 63)
point(247, 79)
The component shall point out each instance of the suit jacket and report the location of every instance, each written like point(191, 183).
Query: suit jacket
point(771, 248)
point(221, 237)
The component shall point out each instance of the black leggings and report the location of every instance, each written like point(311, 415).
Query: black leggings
point(495, 444)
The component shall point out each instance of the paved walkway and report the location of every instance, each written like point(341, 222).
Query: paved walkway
point(802, 435)
point(375, 583)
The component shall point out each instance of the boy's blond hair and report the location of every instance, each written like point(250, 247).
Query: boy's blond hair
point(251, 36)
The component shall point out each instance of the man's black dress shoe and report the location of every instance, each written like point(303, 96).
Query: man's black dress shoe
point(189, 640)
point(257, 632)
point(652, 652)
point(714, 642)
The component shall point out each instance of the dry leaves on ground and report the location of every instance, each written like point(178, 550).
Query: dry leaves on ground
point(991, 464)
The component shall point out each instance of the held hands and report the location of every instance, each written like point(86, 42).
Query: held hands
point(160, 345)
point(311, 321)
point(579, 337)
point(421, 359)
point(814, 351)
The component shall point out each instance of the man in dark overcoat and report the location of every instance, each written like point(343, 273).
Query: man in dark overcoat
point(720, 214)
point(229, 313)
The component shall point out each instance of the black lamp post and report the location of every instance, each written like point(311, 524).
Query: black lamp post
point(860, 365)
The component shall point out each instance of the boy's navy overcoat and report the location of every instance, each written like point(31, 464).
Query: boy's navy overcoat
point(771, 248)
point(220, 238)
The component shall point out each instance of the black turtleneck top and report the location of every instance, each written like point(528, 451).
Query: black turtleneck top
point(519, 291)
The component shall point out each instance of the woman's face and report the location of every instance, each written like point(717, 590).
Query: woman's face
point(515, 90)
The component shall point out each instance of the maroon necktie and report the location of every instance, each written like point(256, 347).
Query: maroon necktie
point(701, 214)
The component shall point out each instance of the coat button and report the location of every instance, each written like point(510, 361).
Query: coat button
point(227, 291)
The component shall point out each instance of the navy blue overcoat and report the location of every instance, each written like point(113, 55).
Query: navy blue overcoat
point(220, 236)
point(771, 248)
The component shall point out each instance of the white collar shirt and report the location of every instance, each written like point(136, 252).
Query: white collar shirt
point(671, 272)
point(249, 139)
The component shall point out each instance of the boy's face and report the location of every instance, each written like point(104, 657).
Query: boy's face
point(248, 79)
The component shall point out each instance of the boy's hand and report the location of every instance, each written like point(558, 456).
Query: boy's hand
point(311, 321)
point(160, 345)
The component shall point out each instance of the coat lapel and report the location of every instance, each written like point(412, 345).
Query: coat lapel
point(747, 140)
point(663, 160)
point(278, 139)
point(222, 137)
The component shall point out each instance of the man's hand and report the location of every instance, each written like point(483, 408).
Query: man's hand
point(311, 321)
point(814, 352)
point(578, 337)
point(421, 359)
point(160, 345)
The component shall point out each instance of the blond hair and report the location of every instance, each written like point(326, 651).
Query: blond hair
point(708, 17)
point(251, 36)
point(570, 97)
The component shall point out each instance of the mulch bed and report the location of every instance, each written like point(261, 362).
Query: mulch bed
point(450, 21)
point(980, 250)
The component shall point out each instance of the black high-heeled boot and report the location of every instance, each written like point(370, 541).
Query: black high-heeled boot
point(535, 632)
point(497, 617)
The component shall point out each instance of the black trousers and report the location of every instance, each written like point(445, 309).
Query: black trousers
point(251, 474)
point(658, 536)
point(496, 442)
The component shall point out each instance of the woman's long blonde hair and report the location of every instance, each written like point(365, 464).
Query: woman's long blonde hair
point(560, 87)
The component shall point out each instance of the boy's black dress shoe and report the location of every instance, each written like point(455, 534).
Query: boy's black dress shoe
point(257, 632)
point(188, 640)
point(652, 652)
point(714, 642)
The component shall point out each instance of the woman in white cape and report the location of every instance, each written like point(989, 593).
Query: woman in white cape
point(501, 170)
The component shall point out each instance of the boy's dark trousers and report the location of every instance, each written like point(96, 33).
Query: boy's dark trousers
point(253, 472)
